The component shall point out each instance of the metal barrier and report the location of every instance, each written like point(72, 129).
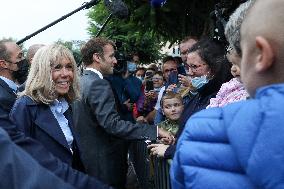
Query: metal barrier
point(139, 156)
point(152, 172)
point(162, 176)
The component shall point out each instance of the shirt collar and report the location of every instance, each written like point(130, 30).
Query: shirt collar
point(59, 106)
point(96, 71)
point(10, 83)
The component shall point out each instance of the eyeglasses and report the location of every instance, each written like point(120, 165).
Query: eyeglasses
point(170, 70)
point(157, 78)
point(11, 62)
point(193, 67)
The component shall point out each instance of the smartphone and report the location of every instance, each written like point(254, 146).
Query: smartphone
point(173, 78)
point(149, 86)
point(181, 70)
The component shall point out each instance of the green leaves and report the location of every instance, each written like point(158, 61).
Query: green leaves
point(147, 28)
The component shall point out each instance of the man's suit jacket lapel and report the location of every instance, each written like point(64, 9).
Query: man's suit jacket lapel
point(7, 88)
point(8, 95)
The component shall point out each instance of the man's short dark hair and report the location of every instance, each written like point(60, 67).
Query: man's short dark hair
point(140, 68)
point(168, 58)
point(4, 53)
point(94, 45)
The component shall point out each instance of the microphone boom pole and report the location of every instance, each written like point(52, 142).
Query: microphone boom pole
point(104, 25)
point(117, 9)
point(84, 6)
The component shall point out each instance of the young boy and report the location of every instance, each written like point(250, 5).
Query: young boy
point(241, 145)
point(172, 108)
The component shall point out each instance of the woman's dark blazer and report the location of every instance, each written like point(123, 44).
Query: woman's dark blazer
point(37, 121)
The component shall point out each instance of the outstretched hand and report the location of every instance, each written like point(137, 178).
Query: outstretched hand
point(158, 149)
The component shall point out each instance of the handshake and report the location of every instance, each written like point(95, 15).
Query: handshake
point(165, 136)
point(159, 147)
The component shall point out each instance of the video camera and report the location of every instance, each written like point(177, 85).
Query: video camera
point(122, 60)
point(121, 66)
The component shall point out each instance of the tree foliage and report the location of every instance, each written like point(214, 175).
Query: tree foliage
point(74, 46)
point(144, 42)
point(147, 28)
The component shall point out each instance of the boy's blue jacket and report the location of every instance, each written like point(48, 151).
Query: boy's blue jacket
point(238, 146)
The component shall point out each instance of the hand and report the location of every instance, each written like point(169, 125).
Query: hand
point(128, 104)
point(158, 149)
point(141, 119)
point(153, 95)
point(165, 135)
point(147, 94)
point(184, 80)
point(167, 141)
point(171, 88)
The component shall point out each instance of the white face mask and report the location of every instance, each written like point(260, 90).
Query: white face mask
point(141, 78)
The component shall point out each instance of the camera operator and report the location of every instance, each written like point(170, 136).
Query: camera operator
point(126, 87)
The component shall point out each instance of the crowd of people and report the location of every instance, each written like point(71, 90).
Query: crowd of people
point(215, 110)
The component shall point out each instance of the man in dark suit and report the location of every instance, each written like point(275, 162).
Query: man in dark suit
point(10, 53)
point(99, 126)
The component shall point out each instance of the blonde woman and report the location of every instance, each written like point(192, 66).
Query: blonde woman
point(43, 109)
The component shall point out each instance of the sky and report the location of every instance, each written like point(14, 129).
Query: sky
point(20, 18)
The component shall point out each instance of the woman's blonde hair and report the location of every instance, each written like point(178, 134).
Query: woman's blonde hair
point(39, 85)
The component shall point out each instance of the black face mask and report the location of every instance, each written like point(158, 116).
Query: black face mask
point(22, 73)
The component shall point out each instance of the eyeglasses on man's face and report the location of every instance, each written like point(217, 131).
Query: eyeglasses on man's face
point(170, 70)
point(9, 61)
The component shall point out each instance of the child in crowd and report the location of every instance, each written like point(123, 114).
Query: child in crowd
point(233, 90)
point(172, 107)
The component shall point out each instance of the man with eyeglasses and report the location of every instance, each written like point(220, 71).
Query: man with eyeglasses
point(184, 46)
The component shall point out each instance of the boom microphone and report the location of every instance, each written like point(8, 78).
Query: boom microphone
point(158, 3)
point(84, 6)
point(117, 8)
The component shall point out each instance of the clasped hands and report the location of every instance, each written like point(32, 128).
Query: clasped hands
point(166, 139)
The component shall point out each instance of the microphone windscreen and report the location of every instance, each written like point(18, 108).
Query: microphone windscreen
point(158, 3)
point(117, 8)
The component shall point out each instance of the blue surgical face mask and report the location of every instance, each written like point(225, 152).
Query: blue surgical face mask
point(198, 82)
point(131, 67)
